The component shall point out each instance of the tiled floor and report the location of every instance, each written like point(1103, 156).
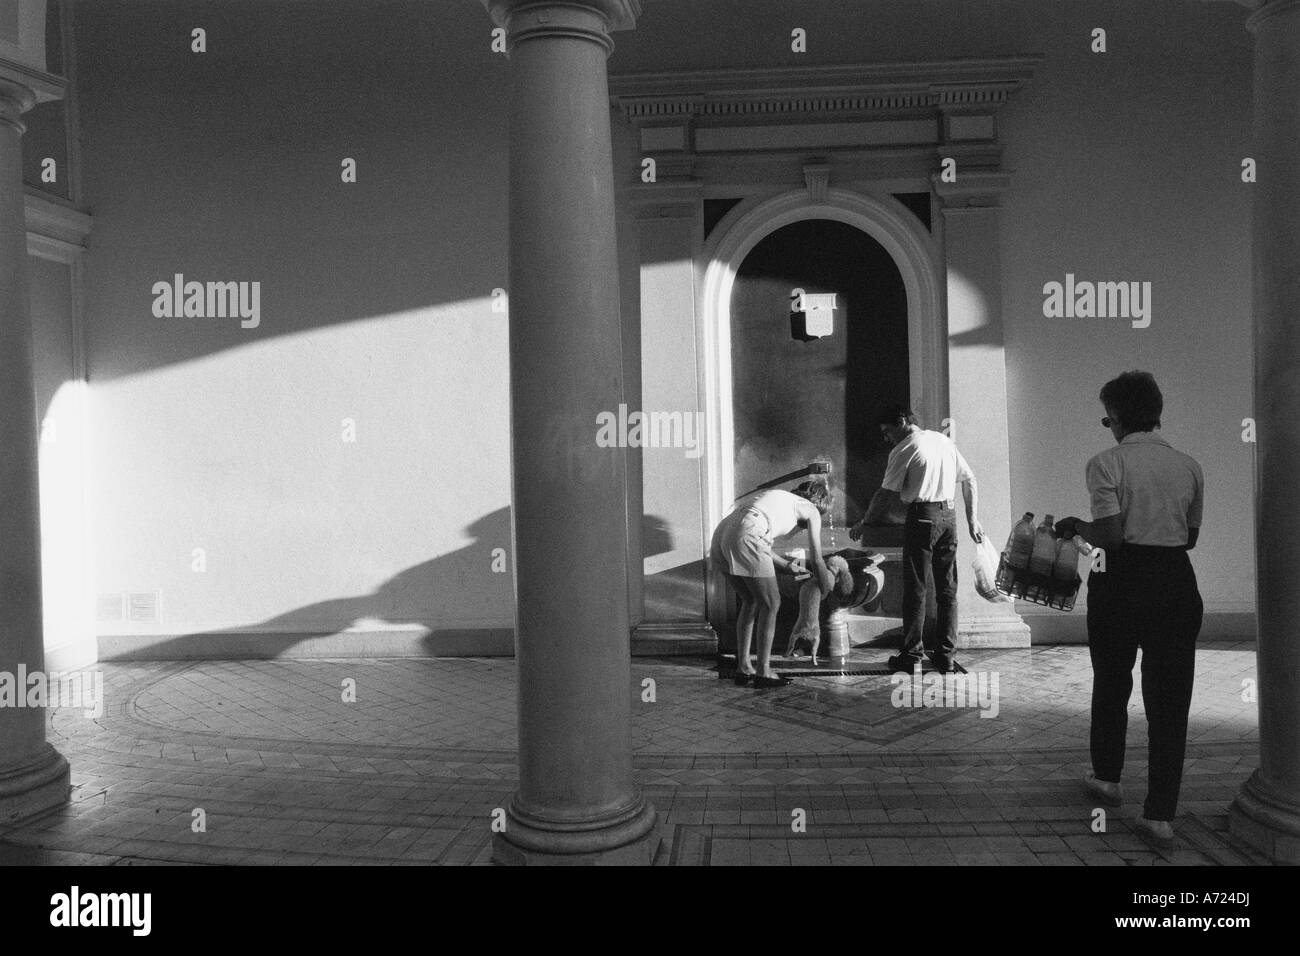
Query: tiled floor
point(827, 770)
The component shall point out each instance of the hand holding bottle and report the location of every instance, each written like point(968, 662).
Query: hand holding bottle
point(1067, 527)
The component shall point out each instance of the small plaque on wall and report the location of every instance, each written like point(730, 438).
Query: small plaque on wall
point(812, 315)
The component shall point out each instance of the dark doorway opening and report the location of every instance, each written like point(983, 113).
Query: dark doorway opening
point(794, 400)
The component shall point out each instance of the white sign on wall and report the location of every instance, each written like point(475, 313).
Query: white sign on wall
point(818, 310)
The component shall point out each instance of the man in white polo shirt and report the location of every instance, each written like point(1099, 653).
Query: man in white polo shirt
point(924, 470)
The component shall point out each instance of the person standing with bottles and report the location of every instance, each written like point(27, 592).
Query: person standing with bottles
point(1147, 500)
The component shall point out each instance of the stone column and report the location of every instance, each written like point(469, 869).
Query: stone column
point(576, 801)
point(977, 395)
point(1266, 812)
point(33, 775)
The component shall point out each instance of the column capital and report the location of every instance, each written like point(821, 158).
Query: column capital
point(586, 19)
point(15, 100)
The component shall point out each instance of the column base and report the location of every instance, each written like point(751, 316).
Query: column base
point(40, 784)
point(630, 838)
point(1267, 820)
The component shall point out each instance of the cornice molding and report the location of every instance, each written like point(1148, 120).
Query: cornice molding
point(44, 86)
point(820, 91)
point(53, 223)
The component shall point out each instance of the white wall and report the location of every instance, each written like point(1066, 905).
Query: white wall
point(375, 301)
point(375, 295)
point(1128, 167)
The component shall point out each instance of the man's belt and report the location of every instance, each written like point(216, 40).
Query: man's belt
point(946, 504)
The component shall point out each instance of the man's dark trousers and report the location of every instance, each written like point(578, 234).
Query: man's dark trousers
point(929, 560)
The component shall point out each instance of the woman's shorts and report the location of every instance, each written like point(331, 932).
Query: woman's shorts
point(743, 548)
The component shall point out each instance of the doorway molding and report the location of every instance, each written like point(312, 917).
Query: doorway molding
point(916, 254)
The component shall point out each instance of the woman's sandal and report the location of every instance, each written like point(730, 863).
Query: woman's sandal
point(761, 681)
point(742, 678)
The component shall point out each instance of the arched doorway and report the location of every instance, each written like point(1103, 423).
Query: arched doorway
point(915, 254)
point(796, 397)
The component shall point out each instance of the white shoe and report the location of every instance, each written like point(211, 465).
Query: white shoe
point(1158, 832)
point(1105, 791)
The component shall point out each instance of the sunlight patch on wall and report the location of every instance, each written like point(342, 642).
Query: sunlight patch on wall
point(354, 471)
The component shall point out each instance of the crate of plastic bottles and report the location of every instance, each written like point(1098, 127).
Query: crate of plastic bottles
point(1025, 585)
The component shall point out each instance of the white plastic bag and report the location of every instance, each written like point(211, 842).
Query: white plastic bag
point(985, 567)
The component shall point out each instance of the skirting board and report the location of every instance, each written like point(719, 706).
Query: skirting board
point(69, 657)
point(1062, 627)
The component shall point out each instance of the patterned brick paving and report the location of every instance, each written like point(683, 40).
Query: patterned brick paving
point(827, 770)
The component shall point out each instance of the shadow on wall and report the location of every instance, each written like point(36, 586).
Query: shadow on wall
point(671, 594)
point(418, 596)
point(421, 595)
point(656, 536)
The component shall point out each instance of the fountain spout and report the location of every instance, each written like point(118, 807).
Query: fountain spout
point(819, 466)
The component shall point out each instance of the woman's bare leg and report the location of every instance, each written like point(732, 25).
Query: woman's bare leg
point(768, 599)
point(744, 623)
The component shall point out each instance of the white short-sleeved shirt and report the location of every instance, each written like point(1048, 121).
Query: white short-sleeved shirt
point(780, 508)
point(1158, 490)
point(926, 466)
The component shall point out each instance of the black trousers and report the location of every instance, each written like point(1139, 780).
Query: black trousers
point(1147, 597)
point(929, 560)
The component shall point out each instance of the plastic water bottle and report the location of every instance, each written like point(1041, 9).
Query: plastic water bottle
point(1084, 549)
point(985, 567)
point(1066, 568)
point(1021, 543)
point(1044, 553)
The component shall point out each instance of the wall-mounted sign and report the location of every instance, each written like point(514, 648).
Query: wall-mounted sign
point(812, 315)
